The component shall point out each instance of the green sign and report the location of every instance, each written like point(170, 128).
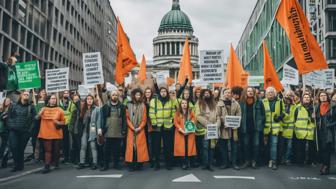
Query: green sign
point(28, 74)
point(189, 127)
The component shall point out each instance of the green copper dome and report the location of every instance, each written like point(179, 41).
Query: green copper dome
point(175, 20)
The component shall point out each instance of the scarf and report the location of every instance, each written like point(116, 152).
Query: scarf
point(249, 100)
point(324, 108)
point(135, 113)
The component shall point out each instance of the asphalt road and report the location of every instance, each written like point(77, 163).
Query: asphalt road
point(68, 177)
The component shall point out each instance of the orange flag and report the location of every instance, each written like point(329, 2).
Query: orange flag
point(235, 74)
point(305, 49)
point(126, 60)
point(170, 81)
point(185, 67)
point(270, 76)
point(142, 71)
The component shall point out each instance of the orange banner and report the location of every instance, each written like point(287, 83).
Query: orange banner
point(305, 49)
point(270, 75)
point(185, 69)
point(142, 71)
point(126, 60)
point(235, 74)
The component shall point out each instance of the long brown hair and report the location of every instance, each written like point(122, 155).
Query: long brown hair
point(244, 94)
point(134, 92)
point(180, 111)
point(84, 106)
point(203, 103)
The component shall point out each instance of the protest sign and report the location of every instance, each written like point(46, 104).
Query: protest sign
point(57, 80)
point(28, 74)
point(84, 91)
point(189, 127)
point(232, 121)
point(92, 69)
point(212, 66)
point(329, 78)
point(161, 77)
point(50, 113)
point(255, 81)
point(315, 79)
point(290, 75)
point(212, 132)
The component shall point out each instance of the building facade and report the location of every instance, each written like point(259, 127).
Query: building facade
point(263, 25)
point(57, 32)
point(168, 46)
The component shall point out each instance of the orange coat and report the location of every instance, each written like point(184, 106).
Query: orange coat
point(141, 144)
point(48, 128)
point(179, 145)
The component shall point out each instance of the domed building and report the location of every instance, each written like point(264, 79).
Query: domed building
point(174, 28)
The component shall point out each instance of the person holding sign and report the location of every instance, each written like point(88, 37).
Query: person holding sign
point(136, 145)
point(206, 116)
point(274, 113)
point(252, 125)
point(184, 121)
point(9, 80)
point(228, 106)
point(326, 122)
point(52, 120)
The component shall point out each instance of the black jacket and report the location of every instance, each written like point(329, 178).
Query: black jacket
point(21, 117)
point(105, 113)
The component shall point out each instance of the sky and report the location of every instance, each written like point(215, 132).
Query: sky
point(216, 23)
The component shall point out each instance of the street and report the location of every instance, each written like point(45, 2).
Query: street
point(68, 177)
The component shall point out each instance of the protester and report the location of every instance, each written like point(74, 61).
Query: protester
point(206, 113)
point(148, 128)
point(252, 125)
point(136, 149)
point(113, 120)
point(325, 119)
point(184, 145)
point(4, 133)
point(52, 120)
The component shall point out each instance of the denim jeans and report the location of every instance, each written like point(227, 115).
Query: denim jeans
point(287, 152)
point(207, 153)
point(224, 148)
point(274, 147)
point(251, 146)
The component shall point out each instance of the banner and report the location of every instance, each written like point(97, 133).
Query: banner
point(307, 52)
point(232, 121)
point(50, 113)
point(290, 75)
point(212, 132)
point(57, 80)
point(28, 74)
point(212, 66)
point(255, 81)
point(92, 69)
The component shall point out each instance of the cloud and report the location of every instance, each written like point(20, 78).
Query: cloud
point(216, 23)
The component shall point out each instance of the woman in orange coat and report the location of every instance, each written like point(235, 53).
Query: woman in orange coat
point(52, 121)
point(136, 148)
point(185, 145)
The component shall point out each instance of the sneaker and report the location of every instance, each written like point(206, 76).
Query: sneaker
point(80, 166)
point(225, 166)
point(254, 164)
point(270, 164)
point(46, 170)
point(104, 168)
point(274, 166)
point(236, 167)
point(94, 166)
point(245, 165)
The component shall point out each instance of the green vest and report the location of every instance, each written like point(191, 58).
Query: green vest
point(287, 124)
point(68, 111)
point(200, 130)
point(304, 127)
point(162, 115)
point(270, 124)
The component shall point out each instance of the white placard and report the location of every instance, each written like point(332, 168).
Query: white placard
point(232, 121)
point(84, 91)
point(255, 81)
point(290, 75)
point(212, 66)
point(161, 77)
point(92, 69)
point(128, 80)
point(315, 79)
point(212, 131)
point(2, 97)
point(200, 83)
point(330, 78)
point(57, 80)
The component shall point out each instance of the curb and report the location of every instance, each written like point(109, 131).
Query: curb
point(6, 179)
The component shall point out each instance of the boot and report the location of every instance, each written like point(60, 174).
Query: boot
point(46, 169)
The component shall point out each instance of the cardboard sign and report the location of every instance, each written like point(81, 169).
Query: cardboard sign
point(255, 81)
point(290, 75)
point(2, 97)
point(49, 113)
point(57, 80)
point(212, 132)
point(212, 66)
point(232, 121)
point(200, 83)
point(84, 91)
point(28, 74)
point(92, 68)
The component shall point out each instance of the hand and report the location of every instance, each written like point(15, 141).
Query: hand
point(41, 111)
point(137, 130)
point(100, 132)
point(313, 115)
point(265, 140)
point(57, 122)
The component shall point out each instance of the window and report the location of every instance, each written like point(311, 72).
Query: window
point(332, 21)
point(331, 48)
